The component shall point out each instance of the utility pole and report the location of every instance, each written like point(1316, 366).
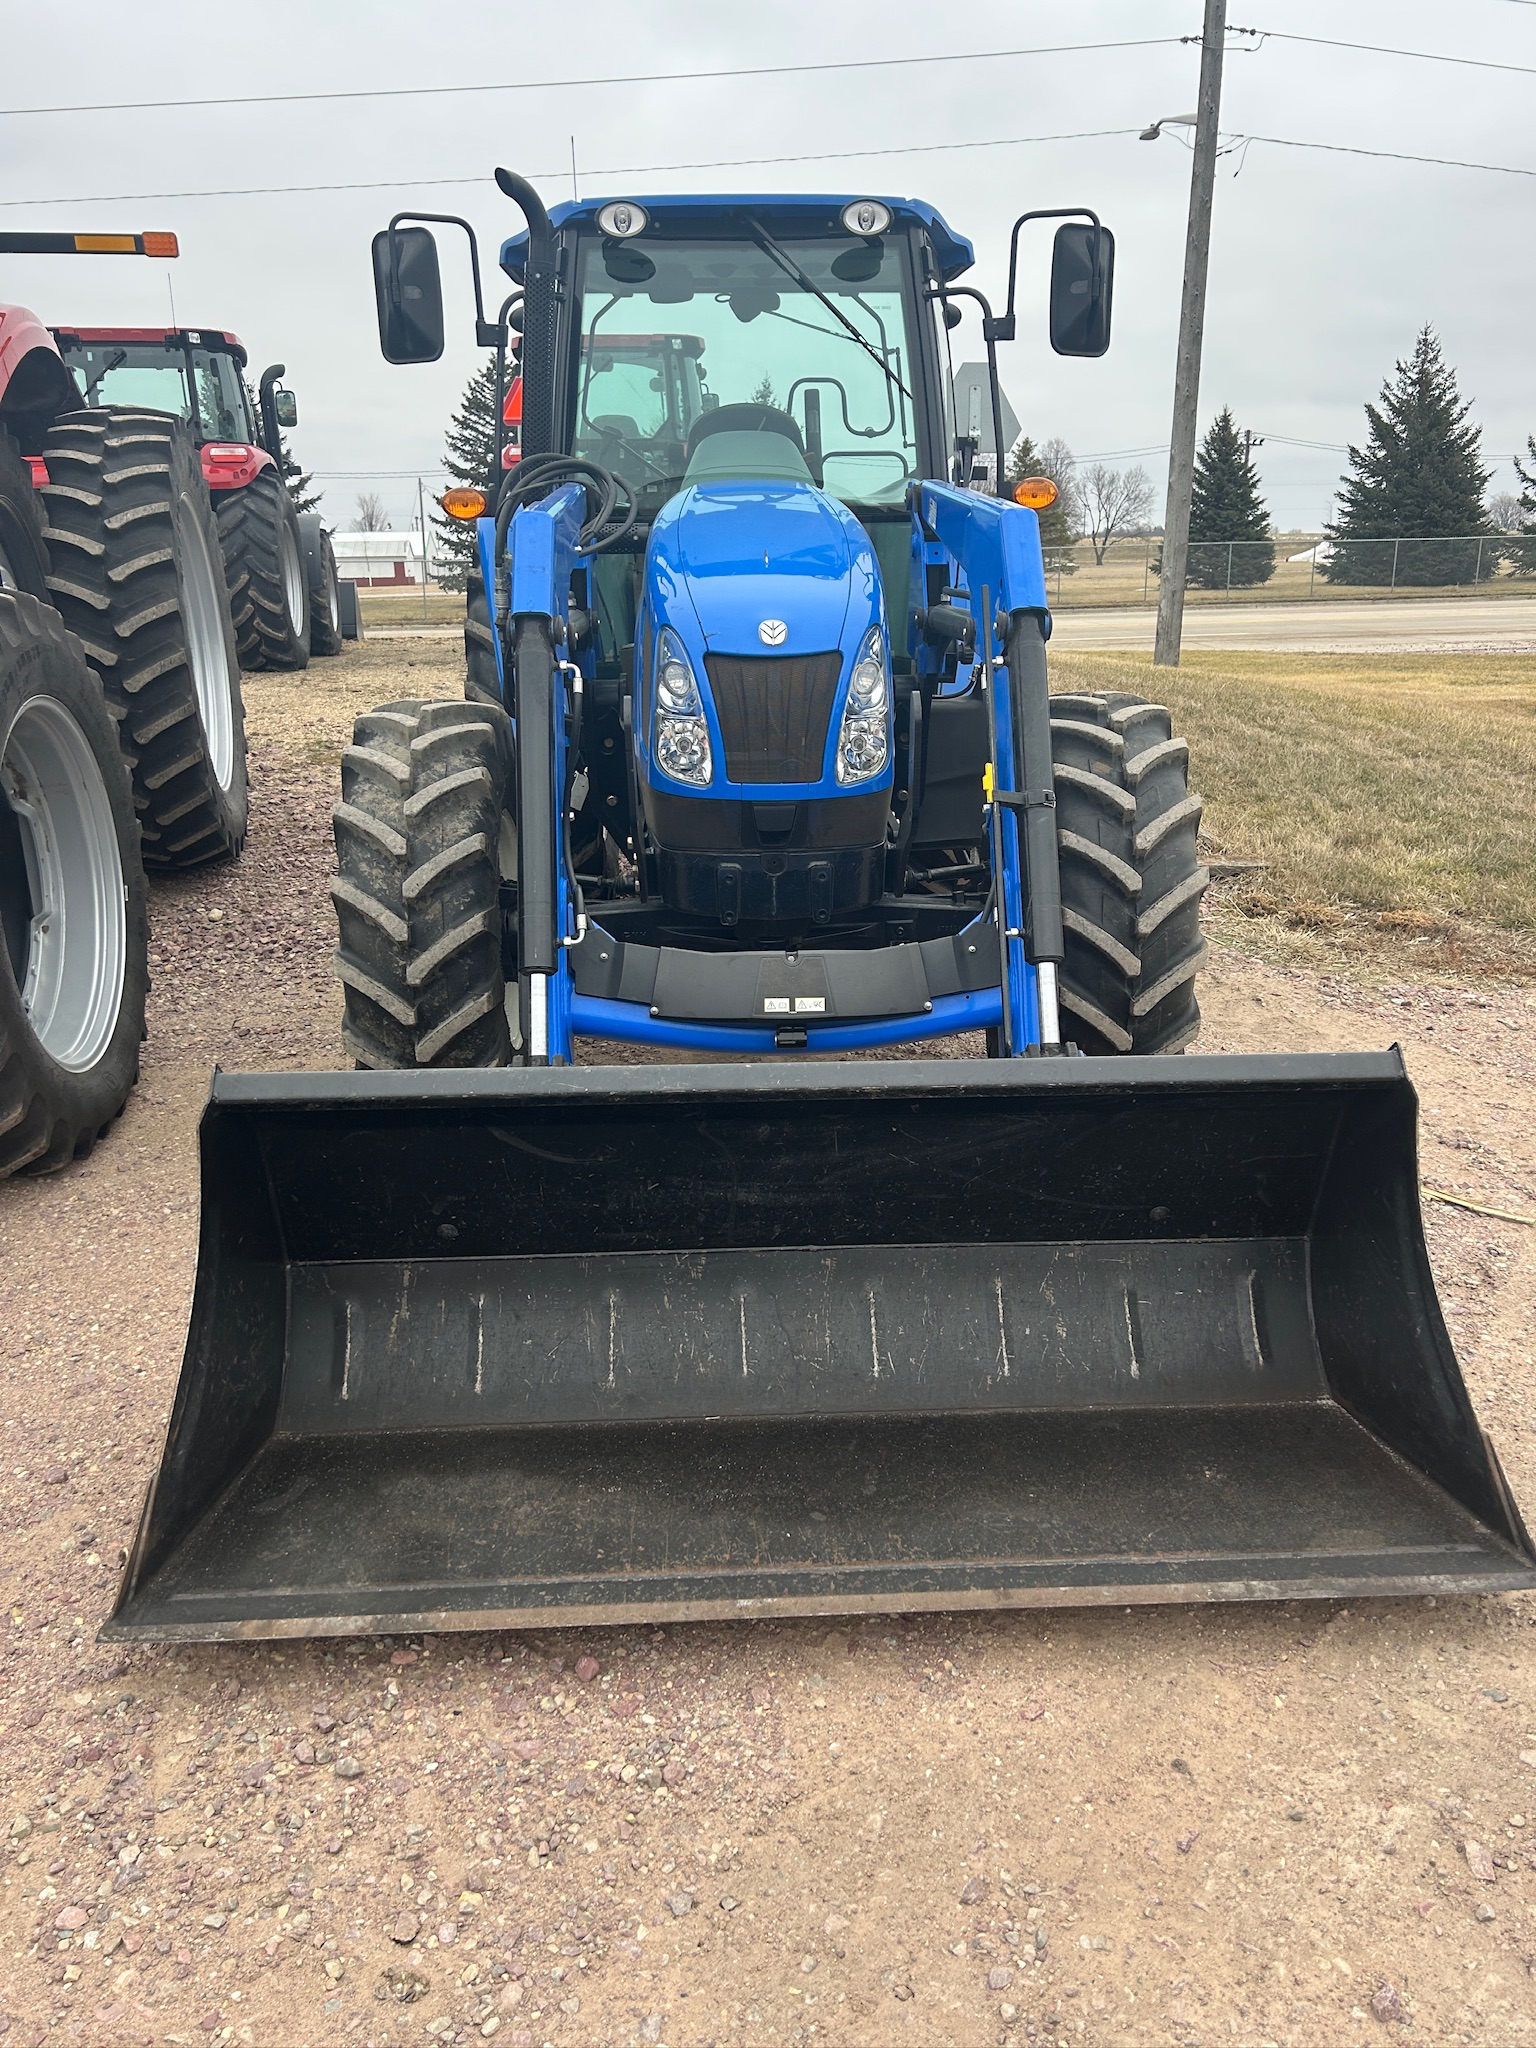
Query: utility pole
point(421, 512)
point(1186, 382)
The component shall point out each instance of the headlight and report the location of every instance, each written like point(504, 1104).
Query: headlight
point(679, 735)
point(864, 742)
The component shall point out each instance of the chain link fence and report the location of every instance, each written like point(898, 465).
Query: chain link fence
point(1295, 567)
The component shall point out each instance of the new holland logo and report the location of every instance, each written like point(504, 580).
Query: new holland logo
point(773, 632)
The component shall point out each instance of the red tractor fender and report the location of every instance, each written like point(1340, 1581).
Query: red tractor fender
point(231, 465)
point(34, 384)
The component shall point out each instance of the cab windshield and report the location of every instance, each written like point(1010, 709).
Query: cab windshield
point(197, 384)
point(673, 330)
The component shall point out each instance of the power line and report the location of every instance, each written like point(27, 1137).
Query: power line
point(1397, 156)
point(1276, 35)
point(607, 171)
point(408, 92)
point(753, 162)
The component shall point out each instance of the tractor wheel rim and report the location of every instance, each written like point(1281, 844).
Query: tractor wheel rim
point(74, 948)
point(9, 580)
point(204, 610)
point(333, 596)
point(293, 578)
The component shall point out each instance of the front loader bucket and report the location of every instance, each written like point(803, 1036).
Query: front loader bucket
point(475, 1350)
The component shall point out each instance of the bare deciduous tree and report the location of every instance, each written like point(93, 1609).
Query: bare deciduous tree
point(1504, 510)
point(1113, 501)
point(371, 516)
point(1059, 463)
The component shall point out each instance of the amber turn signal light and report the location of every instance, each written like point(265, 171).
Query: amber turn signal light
point(160, 245)
point(1036, 492)
point(463, 502)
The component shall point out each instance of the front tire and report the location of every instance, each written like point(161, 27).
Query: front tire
point(1131, 879)
point(74, 925)
point(264, 569)
point(324, 586)
point(482, 678)
point(418, 892)
point(24, 561)
point(138, 576)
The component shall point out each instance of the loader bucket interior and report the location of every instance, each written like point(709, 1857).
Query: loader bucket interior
point(573, 1346)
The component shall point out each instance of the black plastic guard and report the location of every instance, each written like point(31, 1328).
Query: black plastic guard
point(594, 1345)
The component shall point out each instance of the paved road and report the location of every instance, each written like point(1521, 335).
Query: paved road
point(1494, 624)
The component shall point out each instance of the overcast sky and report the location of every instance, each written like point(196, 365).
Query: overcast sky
point(1323, 265)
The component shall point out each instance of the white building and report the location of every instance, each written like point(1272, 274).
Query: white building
point(379, 560)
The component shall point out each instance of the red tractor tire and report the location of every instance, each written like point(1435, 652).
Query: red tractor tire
point(264, 567)
point(137, 576)
point(74, 922)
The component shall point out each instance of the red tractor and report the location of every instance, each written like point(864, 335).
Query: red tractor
point(283, 588)
point(122, 736)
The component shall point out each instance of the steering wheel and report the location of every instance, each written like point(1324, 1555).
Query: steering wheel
point(745, 418)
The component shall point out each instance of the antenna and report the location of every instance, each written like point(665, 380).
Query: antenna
point(171, 288)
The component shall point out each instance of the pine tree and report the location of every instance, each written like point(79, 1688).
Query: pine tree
point(469, 458)
point(1055, 461)
point(1521, 555)
point(1419, 478)
point(1229, 541)
point(297, 479)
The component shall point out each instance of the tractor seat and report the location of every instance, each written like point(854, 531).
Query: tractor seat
point(746, 458)
point(747, 417)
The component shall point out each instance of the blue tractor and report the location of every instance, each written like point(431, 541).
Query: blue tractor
point(757, 762)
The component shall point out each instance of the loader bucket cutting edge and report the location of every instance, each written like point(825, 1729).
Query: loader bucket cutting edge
point(478, 1350)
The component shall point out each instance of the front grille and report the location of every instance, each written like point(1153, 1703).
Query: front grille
point(774, 713)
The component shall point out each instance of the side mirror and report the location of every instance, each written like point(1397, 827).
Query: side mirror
point(409, 290)
point(1082, 282)
point(287, 409)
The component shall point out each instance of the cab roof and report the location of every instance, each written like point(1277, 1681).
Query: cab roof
point(803, 213)
point(199, 337)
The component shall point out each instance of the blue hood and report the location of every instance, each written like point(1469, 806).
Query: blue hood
point(724, 557)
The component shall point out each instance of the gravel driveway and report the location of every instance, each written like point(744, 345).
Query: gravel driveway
point(1298, 1824)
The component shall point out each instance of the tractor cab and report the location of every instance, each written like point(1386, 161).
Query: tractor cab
point(196, 373)
point(199, 374)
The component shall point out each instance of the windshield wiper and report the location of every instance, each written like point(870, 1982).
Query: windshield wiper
point(112, 363)
point(787, 263)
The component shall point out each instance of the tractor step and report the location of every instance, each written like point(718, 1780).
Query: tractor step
point(621, 1344)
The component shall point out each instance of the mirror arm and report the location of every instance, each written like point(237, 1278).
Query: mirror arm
point(1005, 324)
point(267, 406)
point(991, 334)
point(485, 330)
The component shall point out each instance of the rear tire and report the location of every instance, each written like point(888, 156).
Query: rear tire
point(324, 586)
point(264, 568)
point(418, 892)
point(74, 926)
point(24, 561)
point(137, 575)
point(1131, 879)
point(482, 679)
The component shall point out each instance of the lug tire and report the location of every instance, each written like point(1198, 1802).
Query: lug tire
point(351, 611)
point(418, 892)
point(23, 551)
point(137, 575)
point(324, 586)
point(69, 1044)
point(482, 680)
point(264, 568)
point(1131, 879)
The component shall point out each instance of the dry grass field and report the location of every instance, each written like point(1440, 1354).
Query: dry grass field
point(1390, 800)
